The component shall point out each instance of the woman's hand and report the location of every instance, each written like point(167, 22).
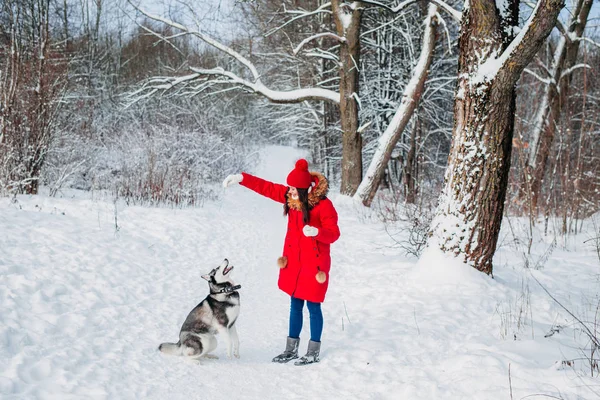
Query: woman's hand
point(310, 231)
point(231, 179)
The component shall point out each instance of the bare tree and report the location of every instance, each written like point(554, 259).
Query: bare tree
point(347, 18)
point(410, 100)
point(557, 82)
point(32, 72)
point(492, 57)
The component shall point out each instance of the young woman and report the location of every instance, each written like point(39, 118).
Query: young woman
point(305, 261)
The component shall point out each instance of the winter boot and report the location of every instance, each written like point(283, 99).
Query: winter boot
point(291, 351)
point(312, 355)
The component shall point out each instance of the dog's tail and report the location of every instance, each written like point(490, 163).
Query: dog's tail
point(173, 349)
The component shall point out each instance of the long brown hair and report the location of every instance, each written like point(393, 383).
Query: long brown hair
point(303, 197)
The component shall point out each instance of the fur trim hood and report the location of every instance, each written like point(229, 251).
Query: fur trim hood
point(318, 193)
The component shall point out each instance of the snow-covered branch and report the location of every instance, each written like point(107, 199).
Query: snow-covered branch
point(206, 39)
point(301, 14)
point(326, 55)
point(162, 84)
point(255, 85)
point(542, 20)
point(280, 97)
point(378, 4)
point(364, 126)
point(569, 71)
point(318, 36)
point(355, 96)
point(455, 14)
point(158, 84)
point(588, 40)
point(540, 63)
point(515, 57)
point(448, 36)
point(546, 81)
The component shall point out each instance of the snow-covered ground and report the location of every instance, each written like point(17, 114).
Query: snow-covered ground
point(84, 307)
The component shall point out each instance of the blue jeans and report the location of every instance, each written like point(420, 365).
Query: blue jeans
point(316, 319)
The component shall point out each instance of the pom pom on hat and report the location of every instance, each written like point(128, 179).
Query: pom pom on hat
point(302, 164)
point(299, 177)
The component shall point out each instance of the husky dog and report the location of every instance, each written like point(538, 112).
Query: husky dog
point(217, 313)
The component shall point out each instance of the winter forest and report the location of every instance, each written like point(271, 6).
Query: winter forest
point(461, 142)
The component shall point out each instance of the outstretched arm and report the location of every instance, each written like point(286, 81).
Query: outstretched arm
point(274, 191)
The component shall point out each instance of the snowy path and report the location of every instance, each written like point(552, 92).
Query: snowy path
point(84, 308)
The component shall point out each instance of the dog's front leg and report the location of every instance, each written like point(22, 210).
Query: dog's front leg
point(225, 333)
point(235, 341)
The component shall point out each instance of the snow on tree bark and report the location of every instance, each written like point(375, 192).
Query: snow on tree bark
point(491, 59)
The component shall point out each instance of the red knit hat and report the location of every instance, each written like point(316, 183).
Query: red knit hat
point(300, 177)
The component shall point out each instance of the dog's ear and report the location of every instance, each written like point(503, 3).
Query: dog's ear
point(206, 277)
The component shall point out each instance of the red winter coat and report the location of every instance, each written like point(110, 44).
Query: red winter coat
point(306, 256)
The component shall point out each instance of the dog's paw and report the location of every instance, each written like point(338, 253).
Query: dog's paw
point(236, 355)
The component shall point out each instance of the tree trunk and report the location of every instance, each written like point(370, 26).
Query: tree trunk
point(475, 183)
point(468, 218)
point(555, 95)
point(66, 22)
point(409, 176)
point(347, 18)
point(410, 99)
